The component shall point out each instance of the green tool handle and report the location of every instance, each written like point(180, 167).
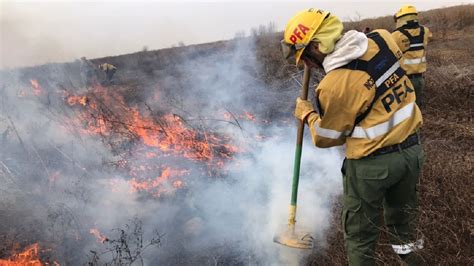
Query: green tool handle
point(299, 148)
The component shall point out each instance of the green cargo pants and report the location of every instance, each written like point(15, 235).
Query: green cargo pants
point(370, 183)
point(419, 84)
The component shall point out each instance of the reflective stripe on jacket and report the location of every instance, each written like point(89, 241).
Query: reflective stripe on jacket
point(412, 40)
point(367, 104)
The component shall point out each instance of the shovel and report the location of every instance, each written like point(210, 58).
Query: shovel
point(291, 237)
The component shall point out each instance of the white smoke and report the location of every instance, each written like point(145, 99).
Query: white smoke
point(250, 205)
point(233, 216)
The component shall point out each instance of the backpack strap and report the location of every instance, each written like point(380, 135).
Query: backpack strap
point(380, 68)
point(416, 42)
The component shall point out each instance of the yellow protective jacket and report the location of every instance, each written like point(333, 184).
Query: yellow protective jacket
point(368, 103)
point(412, 39)
point(106, 67)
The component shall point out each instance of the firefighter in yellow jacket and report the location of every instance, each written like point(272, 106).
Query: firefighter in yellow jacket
point(412, 39)
point(109, 71)
point(367, 102)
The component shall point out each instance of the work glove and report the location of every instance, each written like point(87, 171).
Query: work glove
point(303, 109)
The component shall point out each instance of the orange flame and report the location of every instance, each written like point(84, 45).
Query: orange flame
point(29, 256)
point(100, 237)
point(168, 133)
point(246, 115)
point(176, 137)
point(249, 116)
point(37, 90)
point(158, 186)
point(105, 113)
point(74, 100)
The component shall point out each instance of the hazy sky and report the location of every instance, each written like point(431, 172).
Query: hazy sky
point(36, 32)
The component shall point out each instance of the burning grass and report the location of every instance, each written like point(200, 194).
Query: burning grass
point(156, 154)
point(102, 112)
point(105, 113)
point(29, 256)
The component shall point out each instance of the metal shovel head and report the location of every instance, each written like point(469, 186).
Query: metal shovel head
point(293, 239)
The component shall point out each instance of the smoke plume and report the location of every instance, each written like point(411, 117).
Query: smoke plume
point(61, 184)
